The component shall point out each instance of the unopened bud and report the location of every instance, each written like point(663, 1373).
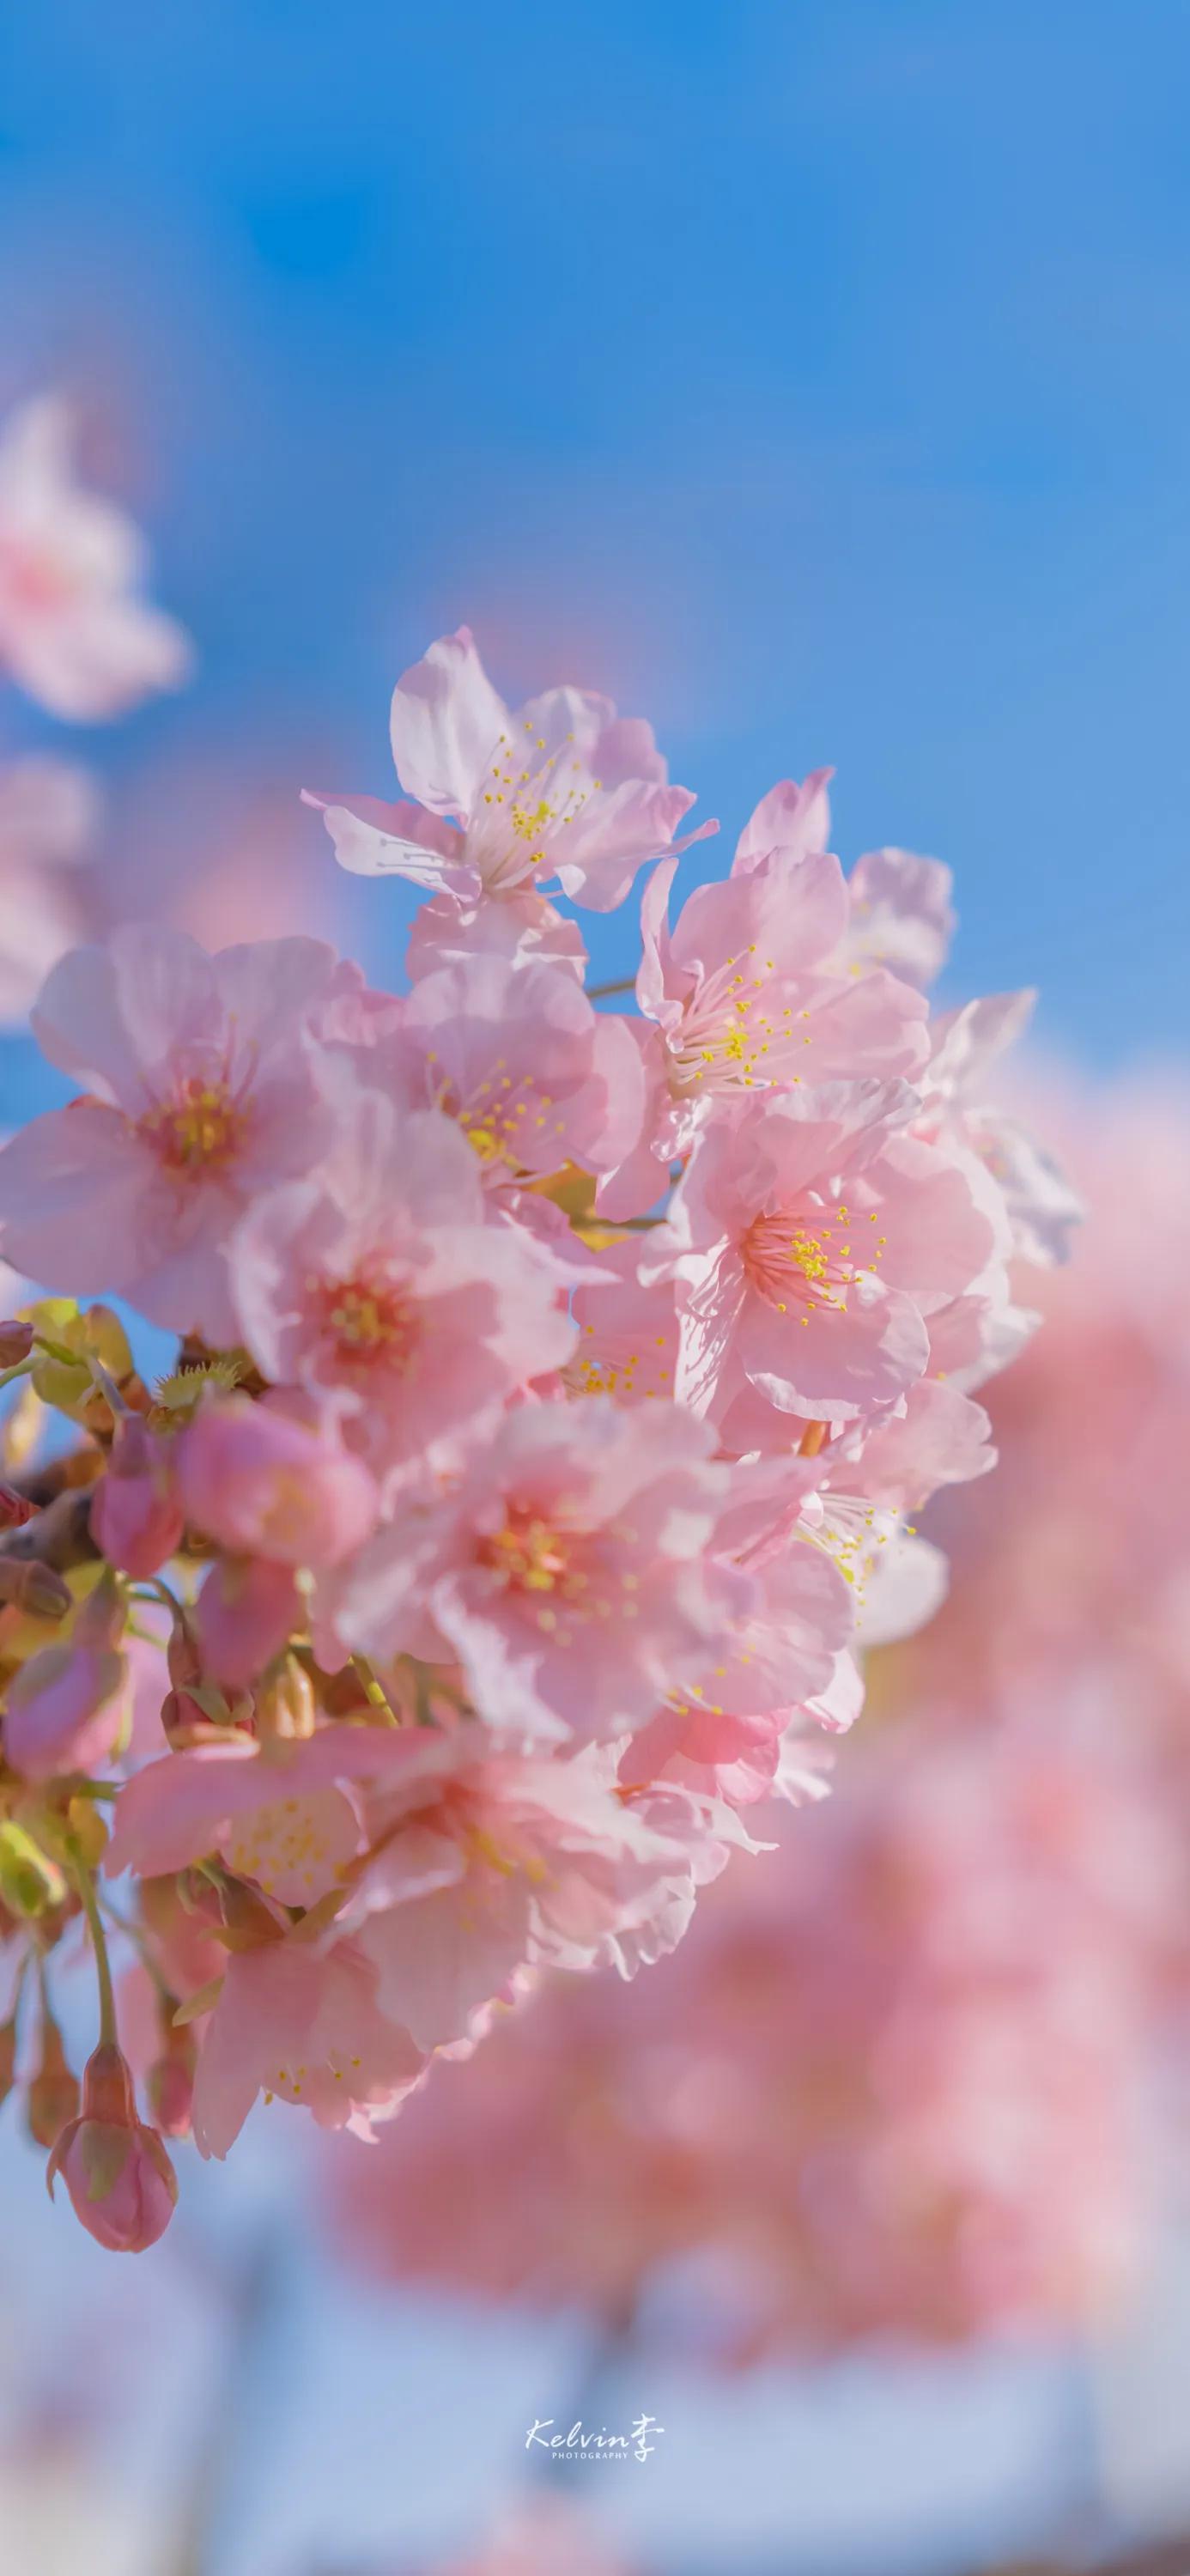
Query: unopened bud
point(31, 1883)
point(285, 1705)
point(16, 1342)
point(36, 1588)
point(15, 1509)
point(135, 1517)
point(119, 2177)
point(53, 2097)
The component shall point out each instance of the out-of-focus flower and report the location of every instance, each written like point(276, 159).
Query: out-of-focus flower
point(264, 1483)
point(890, 2083)
point(541, 2537)
point(48, 814)
point(74, 631)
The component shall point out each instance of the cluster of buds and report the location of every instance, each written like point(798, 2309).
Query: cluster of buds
point(555, 1388)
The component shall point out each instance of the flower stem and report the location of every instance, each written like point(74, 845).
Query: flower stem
point(108, 2032)
point(153, 1589)
point(603, 992)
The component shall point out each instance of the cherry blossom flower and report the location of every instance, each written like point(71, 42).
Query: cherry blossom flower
point(74, 631)
point(198, 1093)
point(483, 1865)
point(567, 1571)
point(535, 1077)
point(523, 928)
point(808, 1241)
point(378, 1286)
point(1042, 1208)
point(501, 802)
point(745, 996)
point(300, 2025)
point(283, 1816)
point(900, 915)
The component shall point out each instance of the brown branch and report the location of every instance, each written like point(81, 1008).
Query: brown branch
point(43, 1484)
point(59, 1536)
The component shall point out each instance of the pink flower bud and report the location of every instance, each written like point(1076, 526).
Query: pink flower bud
point(247, 1611)
point(266, 1485)
point(53, 2097)
point(16, 1342)
point(119, 2177)
point(65, 1711)
point(136, 1517)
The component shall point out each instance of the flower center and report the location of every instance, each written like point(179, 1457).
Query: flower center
point(735, 1034)
point(563, 1581)
point(200, 1129)
point(801, 1254)
point(502, 1116)
point(528, 1553)
point(370, 1320)
point(527, 802)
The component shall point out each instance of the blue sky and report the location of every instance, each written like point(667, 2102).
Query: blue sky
point(814, 379)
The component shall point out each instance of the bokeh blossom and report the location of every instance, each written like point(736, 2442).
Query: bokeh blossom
point(74, 631)
point(48, 815)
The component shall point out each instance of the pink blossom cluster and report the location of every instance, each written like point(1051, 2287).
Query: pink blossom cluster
point(499, 1546)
